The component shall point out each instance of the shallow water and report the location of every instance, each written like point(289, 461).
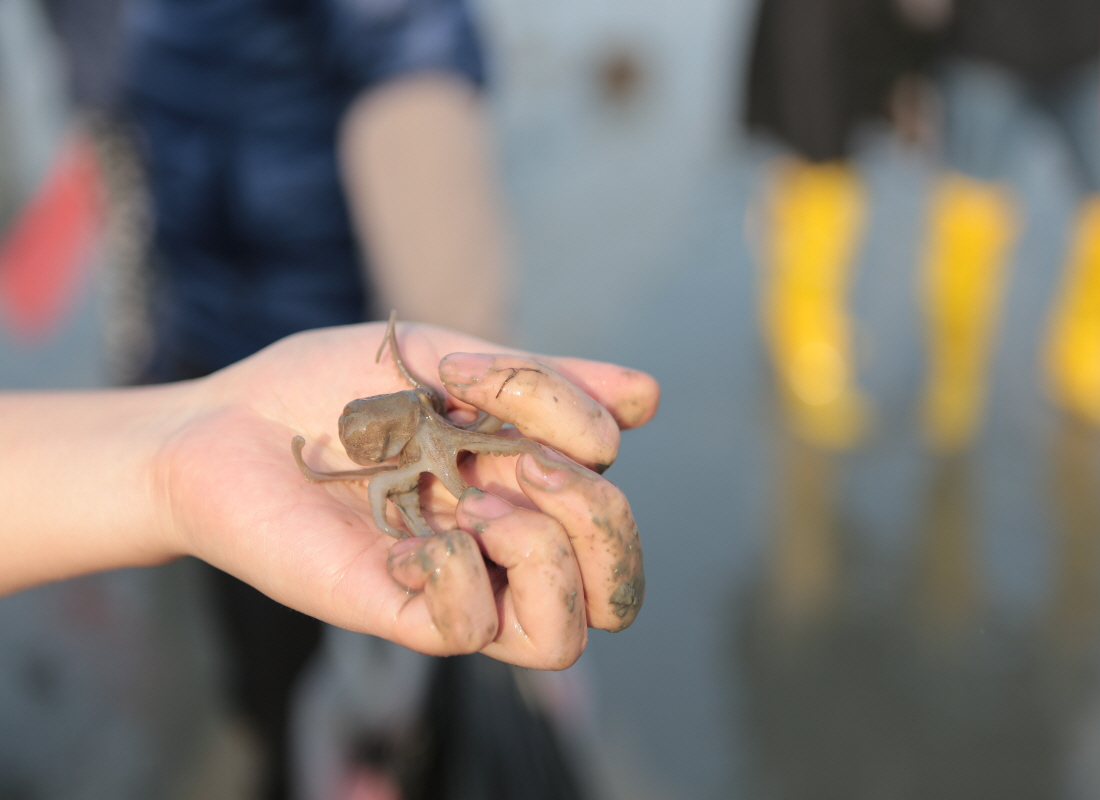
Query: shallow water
point(880, 623)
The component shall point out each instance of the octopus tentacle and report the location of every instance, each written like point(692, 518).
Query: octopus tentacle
point(391, 339)
point(485, 423)
point(312, 475)
point(490, 445)
point(408, 503)
point(400, 481)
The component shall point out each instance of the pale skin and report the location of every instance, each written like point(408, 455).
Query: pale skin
point(415, 163)
point(519, 570)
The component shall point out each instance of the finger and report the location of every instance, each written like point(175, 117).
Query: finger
point(453, 610)
point(629, 395)
point(596, 516)
point(542, 404)
point(541, 608)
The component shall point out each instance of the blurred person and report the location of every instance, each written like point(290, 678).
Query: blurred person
point(1003, 59)
point(203, 468)
point(818, 70)
point(123, 653)
point(482, 729)
point(91, 34)
point(310, 164)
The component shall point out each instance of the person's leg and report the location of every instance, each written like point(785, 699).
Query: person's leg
point(268, 644)
point(1074, 104)
point(356, 717)
point(971, 231)
point(982, 107)
point(814, 216)
point(1072, 352)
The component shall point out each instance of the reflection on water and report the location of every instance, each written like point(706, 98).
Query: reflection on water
point(866, 675)
point(1074, 622)
point(804, 569)
point(946, 596)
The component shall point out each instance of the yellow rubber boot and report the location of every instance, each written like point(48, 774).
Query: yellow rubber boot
point(1073, 348)
point(814, 220)
point(972, 227)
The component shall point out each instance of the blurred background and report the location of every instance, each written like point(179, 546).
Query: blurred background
point(857, 243)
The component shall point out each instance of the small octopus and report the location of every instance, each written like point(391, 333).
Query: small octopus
point(411, 425)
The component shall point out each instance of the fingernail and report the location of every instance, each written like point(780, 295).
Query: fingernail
point(575, 469)
point(464, 369)
point(403, 547)
point(482, 505)
point(553, 455)
point(551, 479)
point(409, 563)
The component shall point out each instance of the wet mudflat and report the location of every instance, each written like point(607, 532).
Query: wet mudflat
point(877, 623)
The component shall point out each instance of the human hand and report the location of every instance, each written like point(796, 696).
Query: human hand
point(536, 558)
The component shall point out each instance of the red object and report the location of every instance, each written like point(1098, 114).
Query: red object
point(47, 250)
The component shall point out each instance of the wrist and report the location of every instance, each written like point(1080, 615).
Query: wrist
point(163, 468)
point(81, 482)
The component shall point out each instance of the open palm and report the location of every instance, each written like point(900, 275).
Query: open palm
point(519, 571)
